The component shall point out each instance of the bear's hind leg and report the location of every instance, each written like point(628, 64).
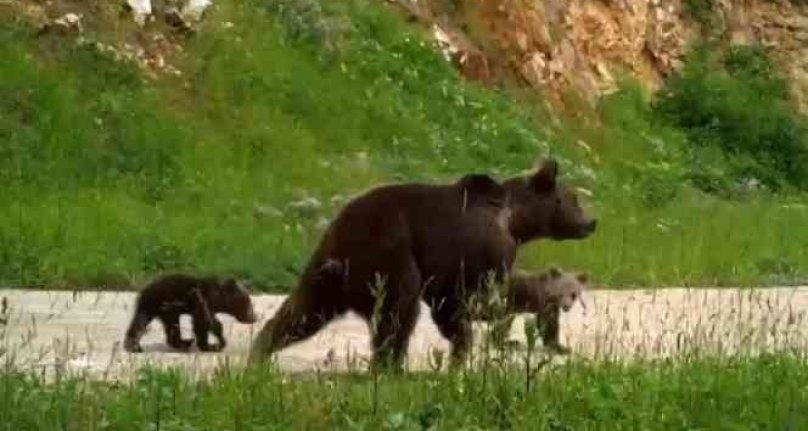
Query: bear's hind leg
point(394, 326)
point(395, 306)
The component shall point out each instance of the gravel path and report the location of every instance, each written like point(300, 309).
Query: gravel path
point(81, 332)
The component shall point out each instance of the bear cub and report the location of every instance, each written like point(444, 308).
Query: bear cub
point(170, 296)
point(545, 294)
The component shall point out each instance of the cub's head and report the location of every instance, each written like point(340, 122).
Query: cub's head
point(563, 288)
point(236, 301)
point(543, 207)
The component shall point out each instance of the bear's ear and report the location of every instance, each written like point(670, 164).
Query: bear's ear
point(554, 272)
point(583, 277)
point(545, 179)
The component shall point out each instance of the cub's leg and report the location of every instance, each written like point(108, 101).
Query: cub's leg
point(204, 326)
point(547, 321)
point(171, 324)
point(204, 322)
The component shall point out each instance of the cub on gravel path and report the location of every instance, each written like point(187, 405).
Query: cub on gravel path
point(170, 296)
point(545, 294)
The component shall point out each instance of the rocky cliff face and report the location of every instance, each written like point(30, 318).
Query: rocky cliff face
point(584, 45)
point(782, 28)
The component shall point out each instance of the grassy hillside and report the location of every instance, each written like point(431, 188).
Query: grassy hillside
point(236, 166)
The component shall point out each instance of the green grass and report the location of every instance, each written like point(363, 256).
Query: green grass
point(693, 241)
point(109, 179)
point(762, 393)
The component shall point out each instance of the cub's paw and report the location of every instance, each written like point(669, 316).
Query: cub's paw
point(211, 347)
point(182, 345)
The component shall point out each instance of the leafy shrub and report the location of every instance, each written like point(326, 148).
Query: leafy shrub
point(700, 10)
point(736, 102)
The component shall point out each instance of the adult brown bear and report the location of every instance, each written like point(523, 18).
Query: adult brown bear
point(397, 244)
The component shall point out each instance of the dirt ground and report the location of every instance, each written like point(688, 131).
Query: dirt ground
point(81, 332)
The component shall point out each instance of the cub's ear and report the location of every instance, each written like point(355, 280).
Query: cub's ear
point(583, 277)
point(554, 272)
point(544, 179)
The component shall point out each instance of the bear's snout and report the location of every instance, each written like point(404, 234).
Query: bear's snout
point(591, 226)
point(584, 228)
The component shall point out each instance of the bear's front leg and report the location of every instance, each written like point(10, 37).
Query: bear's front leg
point(455, 324)
point(205, 322)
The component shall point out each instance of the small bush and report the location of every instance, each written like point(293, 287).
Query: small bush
point(305, 21)
point(658, 183)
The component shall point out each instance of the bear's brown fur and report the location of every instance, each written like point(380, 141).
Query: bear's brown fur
point(397, 244)
point(545, 294)
point(170, 296)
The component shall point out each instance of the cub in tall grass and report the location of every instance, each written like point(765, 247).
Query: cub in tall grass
point(170, 296)
point(546, 294)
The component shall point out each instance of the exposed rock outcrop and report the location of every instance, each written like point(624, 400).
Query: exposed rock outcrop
point(584, 45)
